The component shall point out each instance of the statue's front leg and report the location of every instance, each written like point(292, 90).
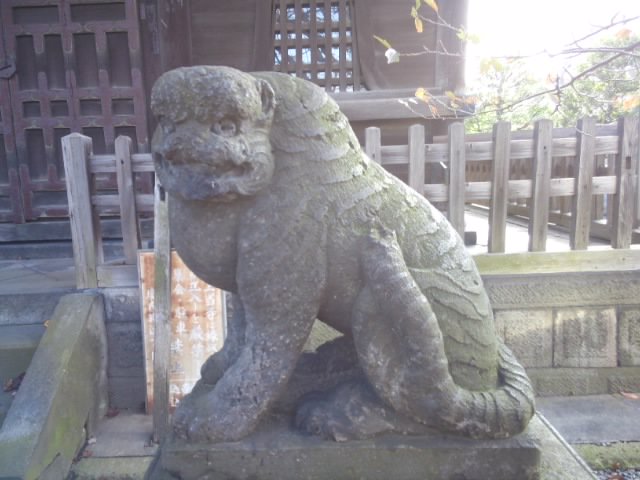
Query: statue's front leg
point(213, 369)
point(279, 313)
point(248, 387)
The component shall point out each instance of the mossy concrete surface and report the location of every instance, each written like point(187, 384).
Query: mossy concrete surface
point(119, 468)
point(611, 455)
point(63, 393)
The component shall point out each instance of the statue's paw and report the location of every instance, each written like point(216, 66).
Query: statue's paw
point(351, 412)
point(182, 416)
point(316, 418)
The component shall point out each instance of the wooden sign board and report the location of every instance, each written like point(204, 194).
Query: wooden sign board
point(197, 325)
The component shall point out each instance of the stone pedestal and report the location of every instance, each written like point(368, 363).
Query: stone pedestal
point(274, 452)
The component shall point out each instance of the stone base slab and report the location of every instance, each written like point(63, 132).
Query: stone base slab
point(277, 453)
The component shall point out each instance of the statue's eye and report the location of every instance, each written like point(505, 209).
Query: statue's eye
point(225, 128)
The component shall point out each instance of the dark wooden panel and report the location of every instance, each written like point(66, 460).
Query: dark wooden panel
point(10, 201)
point(78, 70)
point(391, 20)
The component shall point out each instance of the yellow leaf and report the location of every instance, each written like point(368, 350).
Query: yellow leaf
point(382, 41)
point(432, 4)
point(422, 94)
point(450, 95)
point(434, 110)
point(419, 26)
point(414, 12)
point(631, 103)
point(417, 4)
point(624, 34)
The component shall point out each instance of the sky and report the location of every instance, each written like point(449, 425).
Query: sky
point(517, 27)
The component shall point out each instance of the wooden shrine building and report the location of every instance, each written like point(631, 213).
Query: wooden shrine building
point(88, 65)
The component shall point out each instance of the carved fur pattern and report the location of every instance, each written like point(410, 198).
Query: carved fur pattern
point(273, 199)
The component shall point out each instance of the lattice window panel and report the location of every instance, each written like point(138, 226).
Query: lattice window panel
point(78, 69)
point(314, 40)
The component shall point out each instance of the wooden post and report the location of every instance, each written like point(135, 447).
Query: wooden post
point(539, 206)
point(372, 144)
point(457, 166)
point(625, 168)
point(76, 149)
point(499, 187)
point(583, 196)
point(127, 195)
point(416, 158)
point(162, 316)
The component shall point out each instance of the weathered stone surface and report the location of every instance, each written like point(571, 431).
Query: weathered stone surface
point(584, 381)
point(64, 390)
point(127, 393)
point(585, 337)
point(122, 304)
point(272, 198)
point(629, 337)
point(529, 334)
point(275, 453)
point(17, 345)
point(27, 309)
point(125, 355)
point(563, 289)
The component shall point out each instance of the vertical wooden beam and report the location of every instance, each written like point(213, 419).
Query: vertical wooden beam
point(625, 169)
point(76, 149)
point(127, 195)
point(457, 166)
point(416, 158)
point(328, 45)
point(372, 144)
point(583, 197)
point(162, 316)
point(499, 187)
point(297, 7)
point(540, 188)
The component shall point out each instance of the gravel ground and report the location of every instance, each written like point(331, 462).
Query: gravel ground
point(618, 474)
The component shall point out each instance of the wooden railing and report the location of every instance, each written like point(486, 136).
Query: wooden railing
point(500, 184)
point(556, 171)
point(87, 204)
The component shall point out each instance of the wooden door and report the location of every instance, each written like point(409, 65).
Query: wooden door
point(77, 69)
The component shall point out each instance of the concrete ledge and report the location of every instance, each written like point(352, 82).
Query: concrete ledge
point(551, 382)
point(62, 396)
point(117, 468)
point(275, 452)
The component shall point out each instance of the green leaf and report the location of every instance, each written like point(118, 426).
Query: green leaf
point(432, 4)
point(384, 42)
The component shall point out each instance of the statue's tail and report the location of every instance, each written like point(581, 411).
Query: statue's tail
point(401, 349)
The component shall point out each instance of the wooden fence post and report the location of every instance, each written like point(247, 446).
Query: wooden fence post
point(540, 187)
point(416, 158)
point(372, 144)
point(625, 169)
point(162, 316)
point(583, 195)
point(76, 150)
point(457, 166)
point(127, 195)
point(499, 186)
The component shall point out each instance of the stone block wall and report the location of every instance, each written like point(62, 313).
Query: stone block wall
point(125, 369)
point(576, 333)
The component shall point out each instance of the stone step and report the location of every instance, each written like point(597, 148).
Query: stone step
point(18, 343)
point(120, 450)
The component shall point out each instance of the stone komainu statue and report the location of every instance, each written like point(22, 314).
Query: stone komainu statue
point(273, 199)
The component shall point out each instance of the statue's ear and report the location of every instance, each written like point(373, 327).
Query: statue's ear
point(267, 96)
